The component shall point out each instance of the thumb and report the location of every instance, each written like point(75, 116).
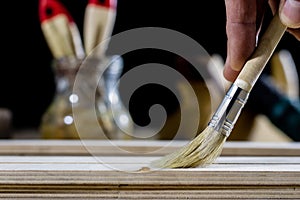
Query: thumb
point(290, 13)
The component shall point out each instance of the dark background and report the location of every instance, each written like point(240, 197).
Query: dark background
point(27, 83)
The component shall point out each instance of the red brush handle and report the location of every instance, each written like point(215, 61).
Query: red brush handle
point(104, 3)
point(51, 8)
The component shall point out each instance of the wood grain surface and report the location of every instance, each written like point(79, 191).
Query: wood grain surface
point(138, 147)
point(58, 169)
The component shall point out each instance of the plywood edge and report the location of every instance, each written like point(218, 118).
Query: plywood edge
point(156, 148)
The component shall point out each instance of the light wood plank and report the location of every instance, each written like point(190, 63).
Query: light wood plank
point(213, 193)
point(110, 169)
point(92, 175)
point(48, 169)
point(140, 160)
point(140, 147)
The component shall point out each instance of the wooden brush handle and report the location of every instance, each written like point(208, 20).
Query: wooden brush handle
point(98, 24)
point(58, 36)
point(55, 20)
point(266, 46)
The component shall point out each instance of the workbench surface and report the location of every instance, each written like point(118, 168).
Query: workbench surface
point(80, 170)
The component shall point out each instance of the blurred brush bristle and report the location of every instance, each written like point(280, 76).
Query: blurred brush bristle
point(201, 151)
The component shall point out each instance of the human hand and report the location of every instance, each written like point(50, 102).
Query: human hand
point(244, 18)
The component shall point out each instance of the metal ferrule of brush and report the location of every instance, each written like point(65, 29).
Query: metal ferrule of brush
point(229, 110)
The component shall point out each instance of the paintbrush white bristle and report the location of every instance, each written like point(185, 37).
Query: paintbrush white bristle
point(201, 151)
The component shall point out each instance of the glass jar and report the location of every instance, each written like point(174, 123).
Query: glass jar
point(95, 87)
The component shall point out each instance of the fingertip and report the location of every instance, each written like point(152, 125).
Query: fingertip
point(290, 13)
point(230, 74)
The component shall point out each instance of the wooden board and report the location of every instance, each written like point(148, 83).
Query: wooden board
point(139, 147)
point(59, 169)
point(131, 177)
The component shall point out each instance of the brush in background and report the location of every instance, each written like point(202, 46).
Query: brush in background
point(63, 38)
point(208, 145)
point(98, 25)
point(282, 110)
point(60, 30)
point(284, 73)
point(76, 38)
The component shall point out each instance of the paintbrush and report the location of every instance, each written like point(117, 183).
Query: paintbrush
point(76, 38)
point(55, 26)
point(60, 30)
point(99, 21)
point(98, 25)
point(208, 145)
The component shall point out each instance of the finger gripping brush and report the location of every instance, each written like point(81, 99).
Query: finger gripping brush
point(208, 145)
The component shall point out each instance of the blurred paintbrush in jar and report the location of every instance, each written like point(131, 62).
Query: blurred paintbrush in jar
point(65, 43)
point(60, 32)
point(99, 21)
point(54, 20)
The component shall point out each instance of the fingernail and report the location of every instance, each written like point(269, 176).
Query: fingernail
point(290, 13)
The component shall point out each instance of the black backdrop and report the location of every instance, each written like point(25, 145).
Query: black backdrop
point(26, 79)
